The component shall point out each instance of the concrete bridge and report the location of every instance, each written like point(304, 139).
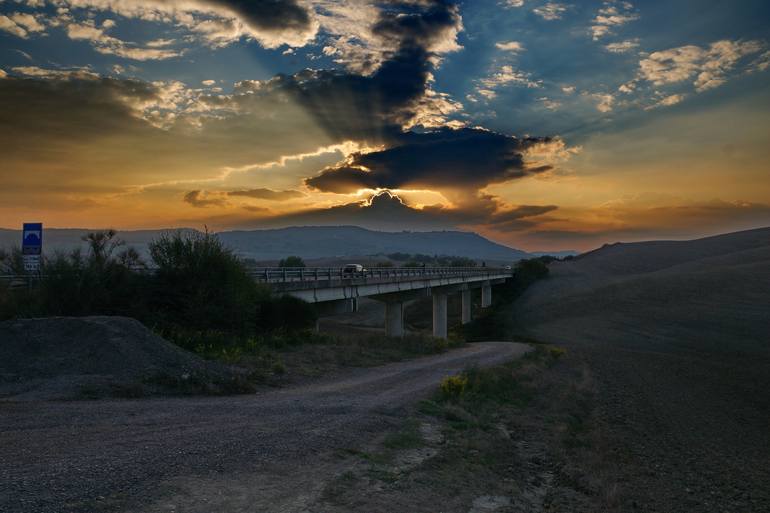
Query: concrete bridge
point(335, 291)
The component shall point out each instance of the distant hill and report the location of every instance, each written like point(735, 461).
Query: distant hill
point(308, 242)
point(326, 241)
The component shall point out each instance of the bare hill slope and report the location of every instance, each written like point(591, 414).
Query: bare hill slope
point(676, 338)
point(707, 294)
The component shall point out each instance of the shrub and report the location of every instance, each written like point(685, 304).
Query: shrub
point(556, 352)
point(284, 313)
point(453, 387)
point(292, 261)
point(100, 281)
point(202, 285)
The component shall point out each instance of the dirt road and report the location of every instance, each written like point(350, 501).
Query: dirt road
point(269, 452)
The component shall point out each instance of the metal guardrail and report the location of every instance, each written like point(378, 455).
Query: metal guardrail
point(301, 274)
point(307, 274)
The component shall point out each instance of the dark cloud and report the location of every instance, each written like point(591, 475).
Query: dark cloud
point(386, 211)
point(268, 15)
point(418, 24)
point(78, 129)
point(374, 107)
point(68, 107)
point(519, 218)
point(198, 199)
point(267, 194)
point(381, 212)
point(364, 108)
point(443, 159)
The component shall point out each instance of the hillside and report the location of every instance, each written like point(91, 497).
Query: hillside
point(673, 339)
point(308, 242)
point(711, 293)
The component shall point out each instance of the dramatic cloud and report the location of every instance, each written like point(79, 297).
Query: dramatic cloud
point(506, 75)
point(398, 94)
point(106, 44)
point(219, 22)
point(622, 47)
point(551, 11)
point(10, 26)
point(386, 211)
point(267, 194)
point(200, 199)
point(613, 14)
point(604, 101)
point(710, 66)
point(510, 46)
point(667, 101)
point(445, 160)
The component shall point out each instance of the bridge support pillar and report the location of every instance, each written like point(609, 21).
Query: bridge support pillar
point(486, 295)
point(394, 319)
point(439, 315)
point(466, 297)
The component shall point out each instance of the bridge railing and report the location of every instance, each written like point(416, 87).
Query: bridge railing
point(300, 274)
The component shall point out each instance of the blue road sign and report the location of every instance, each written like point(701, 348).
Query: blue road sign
point(32, 239)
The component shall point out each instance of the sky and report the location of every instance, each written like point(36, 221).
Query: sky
point(542, 125)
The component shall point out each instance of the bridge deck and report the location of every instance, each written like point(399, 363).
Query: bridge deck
point(328, 284)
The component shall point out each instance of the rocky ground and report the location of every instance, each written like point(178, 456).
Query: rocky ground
point(274, 451)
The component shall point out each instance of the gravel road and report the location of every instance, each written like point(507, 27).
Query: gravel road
point(266, 452)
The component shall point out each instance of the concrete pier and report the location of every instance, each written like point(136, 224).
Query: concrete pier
point(394, 319)
point(486, 295)
point(466, 297)
point(439, 315)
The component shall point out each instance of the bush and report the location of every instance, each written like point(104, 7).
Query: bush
point(284, 313)
point(202, 285)
point(292, 261)
point(452, 388)
point(101, 281)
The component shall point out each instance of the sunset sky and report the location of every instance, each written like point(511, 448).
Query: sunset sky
point(542, 125)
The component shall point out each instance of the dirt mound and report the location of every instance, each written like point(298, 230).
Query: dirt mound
point(62, 356)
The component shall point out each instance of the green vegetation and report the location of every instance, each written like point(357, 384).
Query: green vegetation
point(292, 261)
point(474, 397)
point(480, 434)
point(198, 293)
point(418, 260)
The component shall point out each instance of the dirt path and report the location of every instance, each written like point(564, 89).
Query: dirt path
point(269, 452)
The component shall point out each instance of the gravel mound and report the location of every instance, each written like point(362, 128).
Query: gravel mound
point(60, 356)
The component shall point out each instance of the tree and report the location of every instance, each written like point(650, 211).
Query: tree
point(201, 284)
point(292, 261)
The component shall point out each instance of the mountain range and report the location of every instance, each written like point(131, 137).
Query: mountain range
point(308, 242)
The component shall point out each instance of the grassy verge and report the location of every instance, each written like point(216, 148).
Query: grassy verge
point(522, 435)
point(281, 357)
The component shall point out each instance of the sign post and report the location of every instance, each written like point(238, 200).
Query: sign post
point(32, 246)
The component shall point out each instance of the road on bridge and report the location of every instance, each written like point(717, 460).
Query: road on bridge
point(243, 453)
